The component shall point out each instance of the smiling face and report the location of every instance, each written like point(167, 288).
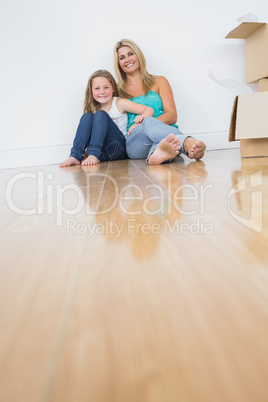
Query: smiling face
point(128, 60)
point(102, 90)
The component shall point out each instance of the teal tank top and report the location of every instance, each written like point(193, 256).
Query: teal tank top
point(153, 100)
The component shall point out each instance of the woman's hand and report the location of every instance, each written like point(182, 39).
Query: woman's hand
point(140, 117)
point(132, 127)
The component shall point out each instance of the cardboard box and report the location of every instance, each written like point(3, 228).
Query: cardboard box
point(254, 148)
point(249, 124)
point(256, 48)
point(263, 85)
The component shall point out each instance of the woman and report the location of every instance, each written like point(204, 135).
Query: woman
point(157, 138)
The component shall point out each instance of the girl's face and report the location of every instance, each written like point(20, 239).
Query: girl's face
point(128, 60)
point(102, 90)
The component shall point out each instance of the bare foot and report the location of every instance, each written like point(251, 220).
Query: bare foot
point(90, 160)
point(168, 148)
point(194, 148)
point(70, 161)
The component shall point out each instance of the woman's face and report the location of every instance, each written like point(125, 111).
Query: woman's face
point(128, 60)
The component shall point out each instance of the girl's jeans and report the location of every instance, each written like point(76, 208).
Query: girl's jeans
point(100, 135)
point(144, 138)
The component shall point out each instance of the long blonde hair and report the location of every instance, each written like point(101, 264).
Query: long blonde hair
point(90, 104)
point(147, 79)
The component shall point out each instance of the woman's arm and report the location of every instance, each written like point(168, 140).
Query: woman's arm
point(164, 90)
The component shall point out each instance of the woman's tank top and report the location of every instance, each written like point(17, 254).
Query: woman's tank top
point(153, 100)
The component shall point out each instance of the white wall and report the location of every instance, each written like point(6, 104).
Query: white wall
point(50, 47)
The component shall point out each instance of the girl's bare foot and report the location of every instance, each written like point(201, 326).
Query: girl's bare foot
point(194, 148)
point(168, 148)
point(90, 160)
point(70, 161)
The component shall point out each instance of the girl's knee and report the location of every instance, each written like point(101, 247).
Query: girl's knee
point(101, 114)
point(87, 117)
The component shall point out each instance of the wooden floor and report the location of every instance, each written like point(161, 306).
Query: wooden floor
point(125, 282)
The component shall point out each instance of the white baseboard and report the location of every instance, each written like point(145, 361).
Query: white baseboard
point(36, 156)
point(54, 154)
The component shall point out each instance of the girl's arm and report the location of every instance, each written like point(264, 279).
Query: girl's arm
point(164, 90)
point(127, 106)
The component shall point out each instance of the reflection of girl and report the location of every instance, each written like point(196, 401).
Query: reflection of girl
point(157, 139)
point(102, 128)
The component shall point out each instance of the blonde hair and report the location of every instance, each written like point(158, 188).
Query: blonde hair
point(90, 104)
point(147, 79)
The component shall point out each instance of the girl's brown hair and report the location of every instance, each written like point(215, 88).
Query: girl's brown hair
point(90, 104)
point(147, 79)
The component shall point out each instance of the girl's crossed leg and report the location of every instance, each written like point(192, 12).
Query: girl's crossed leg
point(100, 136)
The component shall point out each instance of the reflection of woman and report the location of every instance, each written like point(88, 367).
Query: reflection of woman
point(125, 206)
point(158, 139)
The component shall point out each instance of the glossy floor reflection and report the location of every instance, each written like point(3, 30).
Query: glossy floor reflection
point(126, 282)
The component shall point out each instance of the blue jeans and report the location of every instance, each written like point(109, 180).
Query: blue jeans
point(100, 136)
point(146, 136)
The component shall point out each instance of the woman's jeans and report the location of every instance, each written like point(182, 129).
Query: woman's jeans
point(144, 138)
point(100, 135)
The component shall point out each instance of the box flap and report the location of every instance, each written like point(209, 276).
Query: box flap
point(233, 121)
point(244, 29)
point(263, 85)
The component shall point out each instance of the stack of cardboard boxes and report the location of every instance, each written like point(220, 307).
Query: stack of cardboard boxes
point(249, 122)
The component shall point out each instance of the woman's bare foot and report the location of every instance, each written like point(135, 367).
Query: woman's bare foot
point(194, 148)
point(168, 148)
point(70, 161)
point(90, 160)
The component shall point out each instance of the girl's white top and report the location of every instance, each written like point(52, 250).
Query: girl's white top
point(120, 119)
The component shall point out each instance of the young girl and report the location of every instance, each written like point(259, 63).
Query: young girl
point(103, 127)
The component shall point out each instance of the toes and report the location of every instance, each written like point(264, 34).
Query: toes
point(170, 137)
point(197, 149)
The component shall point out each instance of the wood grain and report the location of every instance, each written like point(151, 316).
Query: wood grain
point(134, 283)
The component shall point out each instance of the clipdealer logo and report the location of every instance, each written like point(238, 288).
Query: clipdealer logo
point(255, 181)
point(50, 198)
